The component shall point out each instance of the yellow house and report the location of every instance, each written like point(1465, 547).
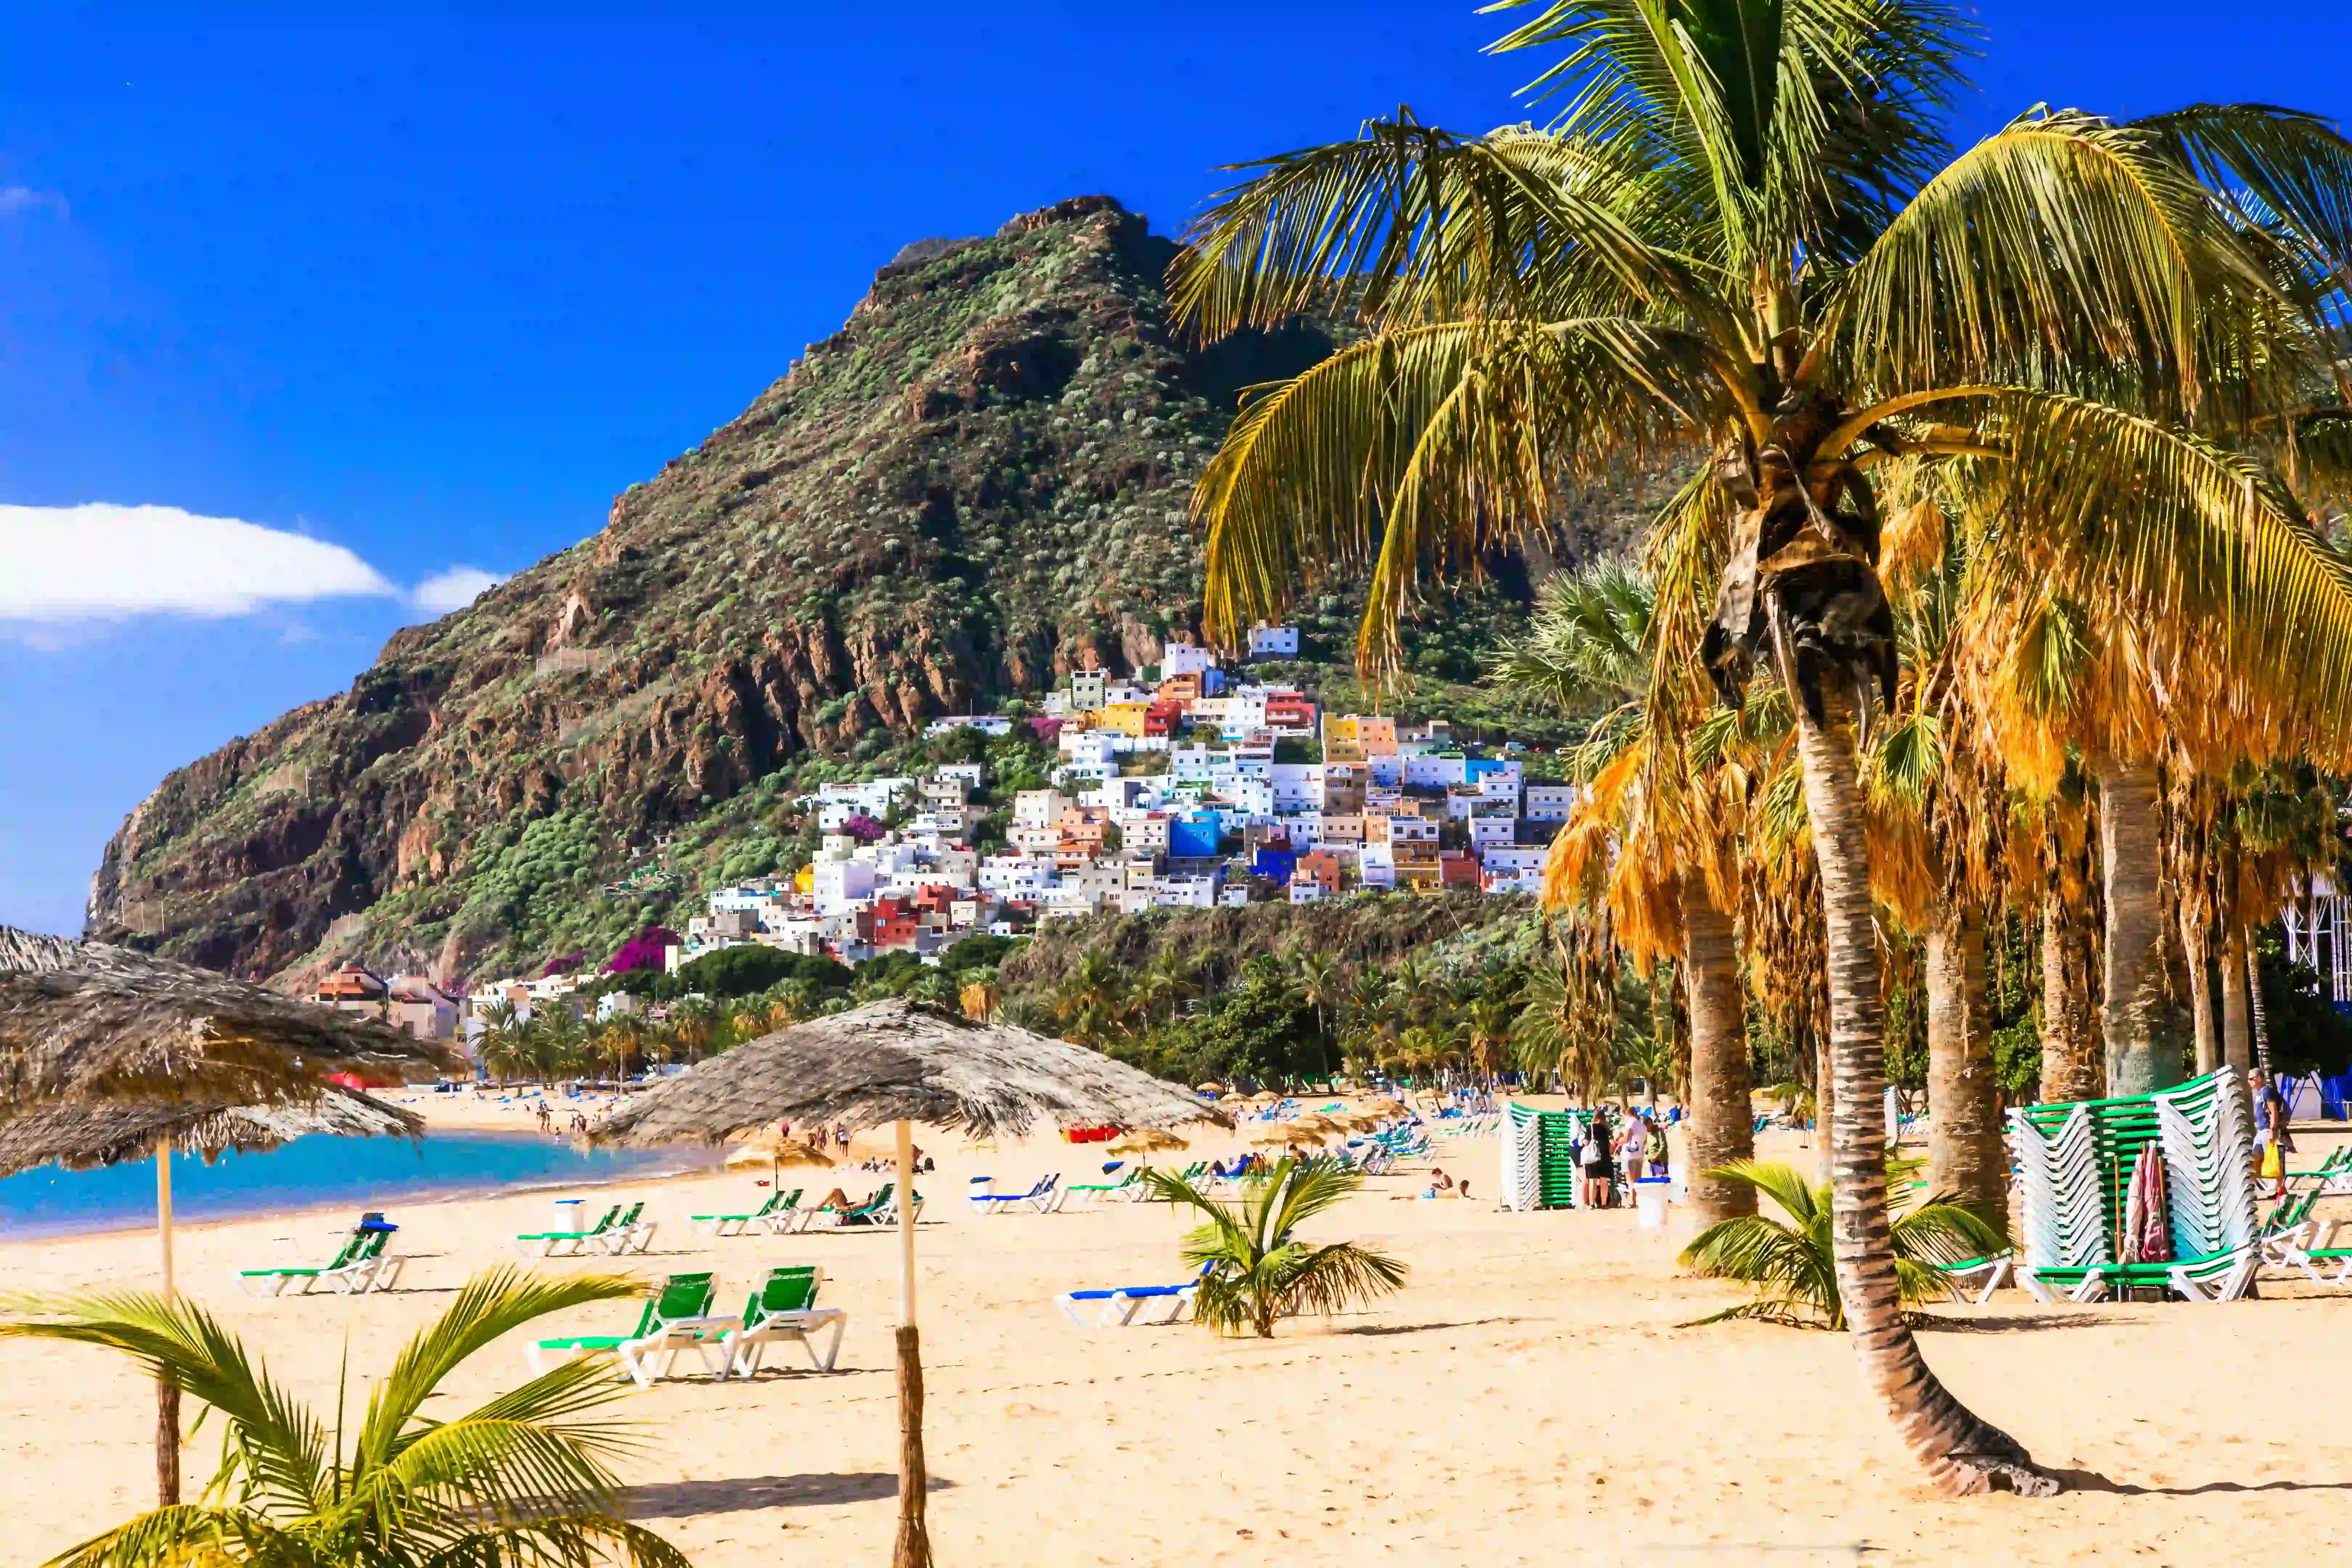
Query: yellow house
point(1122, 719)
point(1354, 737)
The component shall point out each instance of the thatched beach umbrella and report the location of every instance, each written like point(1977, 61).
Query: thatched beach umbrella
point(87, 1136)
point(778, 1153)
point(899, 1062)
point(1150, 1140)
point(84, 1023)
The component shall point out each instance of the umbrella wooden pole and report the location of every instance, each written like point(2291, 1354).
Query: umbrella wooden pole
point(167, 1393)
point(913, 1548)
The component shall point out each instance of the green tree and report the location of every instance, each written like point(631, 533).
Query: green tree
point(1259, 1272)
point(1746, 240)
point(525, 1476)
point(1792, 1259)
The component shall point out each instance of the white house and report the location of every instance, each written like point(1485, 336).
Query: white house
point(1273, 642)
point(1549, 802)
point(1184, 656)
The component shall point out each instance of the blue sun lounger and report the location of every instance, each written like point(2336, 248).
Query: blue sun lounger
point(1119, 1307)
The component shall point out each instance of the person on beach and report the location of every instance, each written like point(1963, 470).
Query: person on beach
point(2272, 1143)
point(1593, 1159)
point(1656, 1149)
point(1634, 1146)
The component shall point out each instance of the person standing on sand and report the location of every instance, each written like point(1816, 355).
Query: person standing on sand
point(1633, 1147)
point(1593, 1160)
point(2272, 1142)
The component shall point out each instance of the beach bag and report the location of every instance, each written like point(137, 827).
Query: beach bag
point(2272, 1165)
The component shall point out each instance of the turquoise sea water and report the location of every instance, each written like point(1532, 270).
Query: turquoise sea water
point(355, 1173)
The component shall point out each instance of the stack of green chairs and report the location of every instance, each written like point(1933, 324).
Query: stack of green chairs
point(2075, 1162)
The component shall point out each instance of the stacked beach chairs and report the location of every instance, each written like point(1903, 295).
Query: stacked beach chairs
point(1538, 1157)
point(2074, 1167)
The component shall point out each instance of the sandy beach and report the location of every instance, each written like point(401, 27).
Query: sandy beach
point(1526, 1395)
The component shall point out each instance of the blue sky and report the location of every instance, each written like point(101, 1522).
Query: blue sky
point(425, 289)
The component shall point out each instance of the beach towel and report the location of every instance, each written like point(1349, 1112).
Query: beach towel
point(2147, 1236)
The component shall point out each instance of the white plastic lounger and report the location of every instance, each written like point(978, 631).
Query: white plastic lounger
point(1120, 1307)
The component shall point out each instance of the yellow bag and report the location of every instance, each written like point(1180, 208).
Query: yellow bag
point(2271, 1164)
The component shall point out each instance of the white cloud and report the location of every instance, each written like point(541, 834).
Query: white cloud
point(16, 199)
point(453, 589)
point(106, 562)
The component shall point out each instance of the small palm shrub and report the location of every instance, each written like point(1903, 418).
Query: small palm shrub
point(524, 1478)
point(1791, 1260)
point(1258, 1273)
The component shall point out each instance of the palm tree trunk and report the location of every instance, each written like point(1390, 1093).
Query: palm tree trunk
point(2260, 1011)
point(2070, 1069)
point(167, 1393)
point(2197, 950)
point(1960, 1453)
point(2237, 1039)
point(913, 1546)
point(1720, 1128)
point(2130, 870)
point(1965, 1156)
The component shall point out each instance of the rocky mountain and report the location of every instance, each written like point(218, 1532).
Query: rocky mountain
point(979, 482)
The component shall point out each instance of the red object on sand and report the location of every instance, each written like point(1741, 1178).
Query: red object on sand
point(1089, 1134)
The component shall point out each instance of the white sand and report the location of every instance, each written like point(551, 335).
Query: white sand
point(1526, 1398)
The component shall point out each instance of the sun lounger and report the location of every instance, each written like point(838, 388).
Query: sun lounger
point(566, 1243)
point(1977, 1278)
point(2309, 1258)
point(675, 1318)
point(784, 1307)
point(1125, 1190)
point(355, 1269)
point(779, 1205)
point(1119, 1307)
point(2217, 1277)
point(1042, 1198)
point(633, 1232)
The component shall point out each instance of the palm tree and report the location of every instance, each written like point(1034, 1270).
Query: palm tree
point(692, 1023)
point(1258, 1272)
point(524, 1477)
point(1793, 1261)
point(1323, 982)
point(1743, 240)
point(1093, 1005)
point(504, 1032)
point(1593, 638)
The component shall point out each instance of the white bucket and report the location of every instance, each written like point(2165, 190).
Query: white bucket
point(1650, 1202)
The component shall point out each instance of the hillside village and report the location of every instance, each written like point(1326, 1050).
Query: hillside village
point(1191, 786)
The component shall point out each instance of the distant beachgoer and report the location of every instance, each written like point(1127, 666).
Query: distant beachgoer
point(2272, 1142)
point(1634, 1146)
point(835, 1199)
point(1593, 1159)
point(1656, 1150)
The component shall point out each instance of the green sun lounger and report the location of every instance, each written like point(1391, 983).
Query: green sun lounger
point(359, 1266)
point(676, 1318)
point(779, 1206)
point(2217, 1277)
point(784, 1307)
point(566, 1243)
point(633, 1232)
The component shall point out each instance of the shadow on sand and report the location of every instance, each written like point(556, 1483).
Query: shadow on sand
point(691, 1500)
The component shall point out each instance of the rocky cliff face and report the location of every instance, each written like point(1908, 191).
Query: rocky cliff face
point(977, 483)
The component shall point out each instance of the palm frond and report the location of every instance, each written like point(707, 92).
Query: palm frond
point(279, 1445)
point(487, 1309)
point(1408, 224)
point(2066, 253)
point(1423, 448)
point(2298, 166)
point(2178, 524)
